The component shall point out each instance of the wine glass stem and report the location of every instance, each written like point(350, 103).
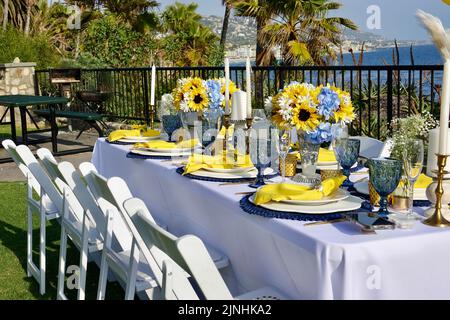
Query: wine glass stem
point(411, 199)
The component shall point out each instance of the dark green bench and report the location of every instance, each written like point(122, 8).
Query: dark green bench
point(88, 117)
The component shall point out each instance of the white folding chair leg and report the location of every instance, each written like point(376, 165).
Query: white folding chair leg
point(104, 263)
point(42, 244)
point(62, 264)
point(83, 259)
point(29, 231)
point(132, 272)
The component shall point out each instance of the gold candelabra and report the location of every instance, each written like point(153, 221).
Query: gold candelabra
point(248, 126)
point(226, 124)
point(152, 116)
point(437, 219)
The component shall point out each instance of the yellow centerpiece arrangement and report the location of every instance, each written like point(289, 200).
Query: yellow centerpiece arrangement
point(318, 113)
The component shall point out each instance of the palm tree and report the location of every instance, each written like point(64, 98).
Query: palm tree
point(30, 4)
point(301, 28)
point(5, 13)
point(226, 20)
point(188, 42)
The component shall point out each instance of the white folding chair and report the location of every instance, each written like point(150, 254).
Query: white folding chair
point(118, 191)
point(75, 221)
point(189, 253)
point(44, 207)
point(370, 147)
point(126, 261)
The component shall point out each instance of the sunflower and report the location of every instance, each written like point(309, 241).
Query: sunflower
point(346, 112)
point(192, 83)
point(231, 86)
point(178, 96)
point(198, 99)
point(305, 117)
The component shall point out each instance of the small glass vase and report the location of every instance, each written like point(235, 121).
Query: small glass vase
point(210, 126)
point(189, 121)
point(309, 154)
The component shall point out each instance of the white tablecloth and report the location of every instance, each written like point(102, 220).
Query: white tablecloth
point(333, 261)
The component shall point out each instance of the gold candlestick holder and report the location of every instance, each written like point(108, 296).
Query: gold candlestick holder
point(226, 124)
point(248, 126)
point(437, 219)
point(152, 116)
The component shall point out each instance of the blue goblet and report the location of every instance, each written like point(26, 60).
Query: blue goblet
point(385, 175)
point(171, 123)
point(261, 153)
point(347, 152)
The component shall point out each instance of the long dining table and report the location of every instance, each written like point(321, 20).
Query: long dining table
point(329, 261)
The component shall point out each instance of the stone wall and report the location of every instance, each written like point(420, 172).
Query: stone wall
point(16, 78)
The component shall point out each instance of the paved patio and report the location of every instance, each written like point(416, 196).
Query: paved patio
point(66, 141)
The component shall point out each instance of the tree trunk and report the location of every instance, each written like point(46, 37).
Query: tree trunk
point(5, 14)
point(28, 21)
point(226, 20)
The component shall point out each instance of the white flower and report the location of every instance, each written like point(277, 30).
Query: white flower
point(285, 103)
point(268, 105)
point(184, 106)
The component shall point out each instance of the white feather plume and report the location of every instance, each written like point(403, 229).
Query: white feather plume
point(440, 36)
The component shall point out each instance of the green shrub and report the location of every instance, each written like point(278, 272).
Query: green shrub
point(37, 49)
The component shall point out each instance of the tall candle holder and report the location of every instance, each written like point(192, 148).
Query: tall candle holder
point(226, 124)
point(437, 219)
point(248, 126)
point(152, 112)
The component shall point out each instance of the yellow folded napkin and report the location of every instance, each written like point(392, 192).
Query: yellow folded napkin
point(197, 162)
point(421, 183)
point(120, 134)
point(288, 191)
point(325, 155)
point(160, 144)
point(151, 133)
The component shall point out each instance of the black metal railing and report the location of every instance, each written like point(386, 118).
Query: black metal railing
point(379, 93)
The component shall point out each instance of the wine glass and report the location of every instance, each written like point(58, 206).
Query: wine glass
point(284, 145)
point(170, 123)
point(412, 165)
point(385, 174)
point(258, 115)
point(347, 153)
point(260, 154)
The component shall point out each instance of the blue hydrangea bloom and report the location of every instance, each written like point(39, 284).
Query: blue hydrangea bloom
point(328, 102)
point(322, 134)
point(214, 94)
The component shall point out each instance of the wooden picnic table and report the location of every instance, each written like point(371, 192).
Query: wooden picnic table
point(24, 101)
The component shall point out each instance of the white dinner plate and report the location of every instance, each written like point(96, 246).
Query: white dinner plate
point(231, 170)
point(363, 188)
point(160, 154)
point(140, 139)
point(220, 175)
point(349, 204)
point(339, 195)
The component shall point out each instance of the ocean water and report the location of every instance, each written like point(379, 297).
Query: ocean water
point(423, 55)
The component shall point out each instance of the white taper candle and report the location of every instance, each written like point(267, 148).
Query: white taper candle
point(153, 86)
point(249, 86)
point(227, 86)
point(445, 109)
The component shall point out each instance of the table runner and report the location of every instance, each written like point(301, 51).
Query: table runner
point(320, 262)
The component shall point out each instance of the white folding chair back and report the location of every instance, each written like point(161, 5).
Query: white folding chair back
point(190, 253)
point(370, 147)
point(125, 258)
point(187, 252)
point(44, 207)
point(74, 222)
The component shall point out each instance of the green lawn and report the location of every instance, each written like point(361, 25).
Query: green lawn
point(14, 283)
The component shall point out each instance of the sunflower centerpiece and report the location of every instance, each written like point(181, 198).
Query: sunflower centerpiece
point(204, 100)
point(317, 113)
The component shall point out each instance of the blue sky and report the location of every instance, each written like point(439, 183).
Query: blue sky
point(397, 16)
